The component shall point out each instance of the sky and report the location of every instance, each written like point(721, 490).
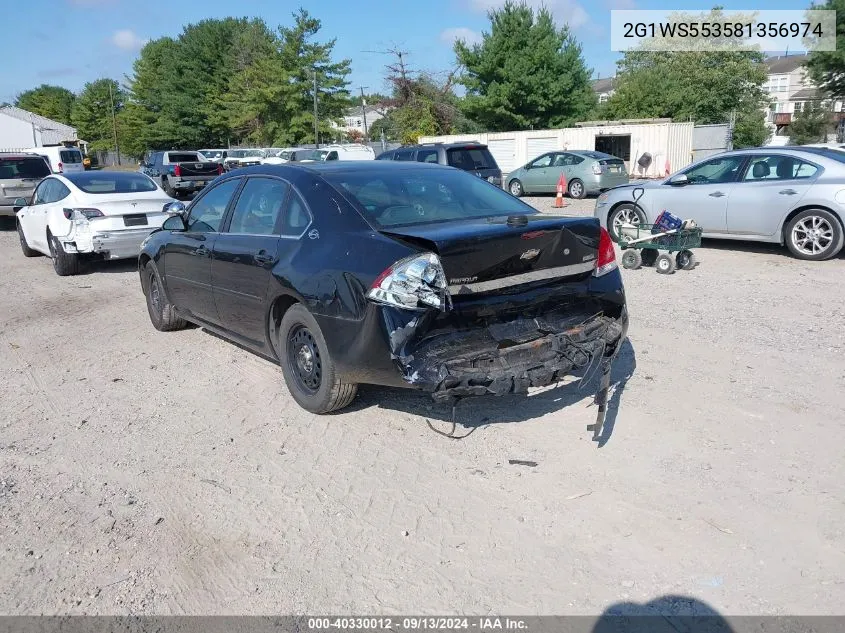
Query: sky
point(70, 42)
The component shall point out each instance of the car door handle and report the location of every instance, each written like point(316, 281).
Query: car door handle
point(263, 257)
point(716, 194)
point(202, 251)
point(787, 192)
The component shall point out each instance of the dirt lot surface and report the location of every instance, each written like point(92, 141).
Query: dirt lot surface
point(143, 472)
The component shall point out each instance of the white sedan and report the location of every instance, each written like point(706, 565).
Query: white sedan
point(90, 214)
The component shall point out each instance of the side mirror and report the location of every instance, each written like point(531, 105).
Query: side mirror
point(19, 203)
point(679, 181)
point(174, 223)
point(175, 207)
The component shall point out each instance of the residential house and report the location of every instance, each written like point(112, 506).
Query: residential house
point(353, 118)
point(21, 129)
point(790, 91)
point(604, 88)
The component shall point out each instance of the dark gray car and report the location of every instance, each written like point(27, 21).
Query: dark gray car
point(472, 157)
point(20, 173)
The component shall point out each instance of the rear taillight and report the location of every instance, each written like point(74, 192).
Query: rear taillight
point(607, 254)
point(177, 170)
point(82, 215)
point(598, 169)
point(415, 283)
point(61, 168)
point(219, 169)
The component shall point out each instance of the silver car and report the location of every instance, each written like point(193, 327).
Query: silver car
point(787, 195)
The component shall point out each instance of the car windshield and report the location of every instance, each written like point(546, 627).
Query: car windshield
point(254, 152)
point(211, 154)
point(23, 168)
point(184, 157)
point(237, 153)
point(111, 182)
point(390, 198)
point(71, 156)
point(319, 155)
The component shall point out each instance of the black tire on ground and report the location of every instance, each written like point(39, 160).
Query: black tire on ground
point(162, 313)
point(170, 191)
point(618, 215)
point(665, 264)
point(515, 187)
point(65, 264)
point(686, 260)
point(632, 259)
point(814, 234)
point(576, 189)
point(27, 251)
point(649, 256)
point(307, 365)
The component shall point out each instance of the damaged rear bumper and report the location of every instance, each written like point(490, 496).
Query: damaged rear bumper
point(511, 357)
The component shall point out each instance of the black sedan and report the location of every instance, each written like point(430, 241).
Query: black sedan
point(388, 273)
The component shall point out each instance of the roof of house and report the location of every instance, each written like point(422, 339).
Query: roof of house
point(601, 86)
point(807, 94)
point(356, 111)
point(785, 63)
point(52, 132)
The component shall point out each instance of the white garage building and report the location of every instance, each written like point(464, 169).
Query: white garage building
point(20, 129)
point(665, 142)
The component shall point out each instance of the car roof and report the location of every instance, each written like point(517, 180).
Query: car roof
point(366, 166)
point(443, 145)
point(20, 155)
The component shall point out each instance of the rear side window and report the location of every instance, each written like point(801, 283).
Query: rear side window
point(471, 158)
point(184, 157)
point(23, 168)
point(405, 154)
point(258, 207)
point(385, 156)
point(427, 156)
point(71, 156)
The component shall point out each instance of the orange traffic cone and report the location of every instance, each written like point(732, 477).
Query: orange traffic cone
point(561, 187)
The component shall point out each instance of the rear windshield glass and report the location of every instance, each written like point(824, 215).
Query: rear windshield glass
point(211, 154)
point(23, 168)
point(833, 154)
point(112, 182)
point(406, 197)
point(70, 156)
point(471, 158)
point(184, 157)
point(318, 155)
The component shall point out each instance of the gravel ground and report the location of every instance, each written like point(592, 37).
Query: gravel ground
point(143, 472)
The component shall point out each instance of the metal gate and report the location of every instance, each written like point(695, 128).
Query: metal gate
point(710, 139)
point(536, 146)
point(504, 151)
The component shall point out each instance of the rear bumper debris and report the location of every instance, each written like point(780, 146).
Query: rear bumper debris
point(511, 357)
point(120, 244)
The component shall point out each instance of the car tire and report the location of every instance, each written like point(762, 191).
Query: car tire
point(170, 191)
point(27, 251)
point(515, 188)
point(632, 259)
point(686, 260)
point(626, 212)
point(665, 264)
point(65, 264)
point(576, 189)
point(162, 313)
point(307, 365)
point(814, 235)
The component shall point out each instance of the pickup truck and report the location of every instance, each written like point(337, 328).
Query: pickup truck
point(180, 172)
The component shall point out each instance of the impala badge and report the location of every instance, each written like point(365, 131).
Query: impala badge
point(314, 234)
point(530, 254)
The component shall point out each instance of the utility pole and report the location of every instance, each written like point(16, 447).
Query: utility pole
point(114, 126)
point(364, 113)
point(316, 119)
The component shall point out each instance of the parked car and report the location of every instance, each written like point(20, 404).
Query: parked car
point(243, 158)
point(397, 274)
point(61, 159)
point(350, 151)
point(288, 155)
point(19, 175)
point(787, 195)
point(214, 155)
point(83, 215)
point(271, 154)
point(180, 172)
point(472, 157)
point(586, 172)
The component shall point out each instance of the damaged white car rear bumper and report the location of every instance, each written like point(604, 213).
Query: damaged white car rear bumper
point(114, 244)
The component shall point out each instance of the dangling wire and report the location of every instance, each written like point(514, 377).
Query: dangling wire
point(451, 434)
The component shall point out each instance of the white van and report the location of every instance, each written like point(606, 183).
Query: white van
point(63, 160)
point(352, 151)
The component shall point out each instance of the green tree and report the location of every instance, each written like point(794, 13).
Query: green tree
point(704, 86)
point(93, 111)
point(827, 68)
point(53, 102)
point(372, 99)
point(303, 58)
point(525, 73)
point(811, 125)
